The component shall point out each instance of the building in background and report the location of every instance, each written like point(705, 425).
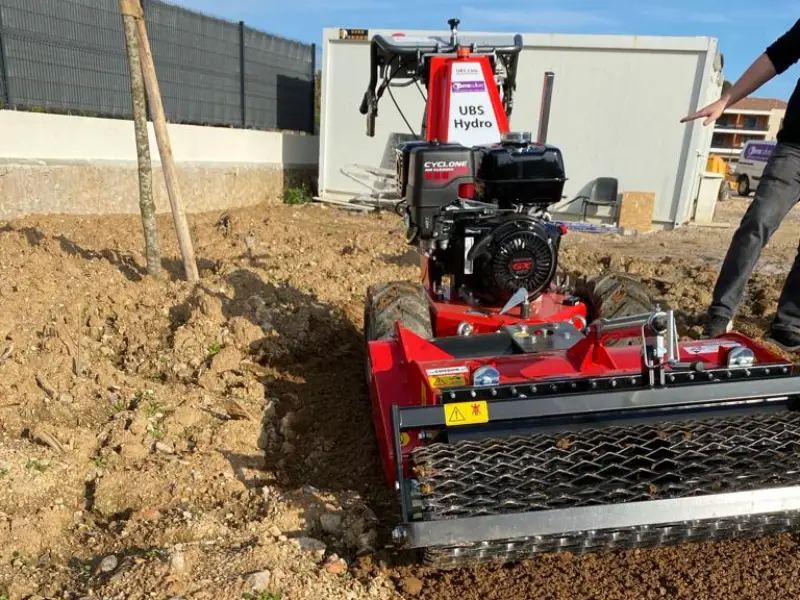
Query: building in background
point(749, 119)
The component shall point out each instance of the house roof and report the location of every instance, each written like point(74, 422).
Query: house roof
point(758, 104)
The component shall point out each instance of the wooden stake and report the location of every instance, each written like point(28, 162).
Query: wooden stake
point(147, 206)
point(134, 8)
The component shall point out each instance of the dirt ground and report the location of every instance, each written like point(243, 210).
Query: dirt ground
point(160, 439)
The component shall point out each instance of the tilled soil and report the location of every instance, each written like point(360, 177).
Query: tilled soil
point(169, 440)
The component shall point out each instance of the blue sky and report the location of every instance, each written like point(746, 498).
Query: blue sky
point(744, 28)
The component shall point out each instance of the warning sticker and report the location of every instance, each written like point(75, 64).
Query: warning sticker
point(448, 377)
point(466, 413)
point(404, 439)
point(447, 371)
point(445, 381)
point(709, 348)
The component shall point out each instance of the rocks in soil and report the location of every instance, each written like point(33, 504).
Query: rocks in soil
point(164, 448)
point(108, 564)
point(358, 528)
point(331, 523)
point(412, 586)
point(177, 562)
point(286, 426)
point(259, 581)
point(270, 407)
point(312, 546)
point(335, 565)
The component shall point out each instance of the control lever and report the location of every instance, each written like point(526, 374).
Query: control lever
point(519, 297)
point(453, 31)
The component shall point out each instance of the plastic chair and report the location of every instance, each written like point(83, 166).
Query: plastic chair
point(604, 192)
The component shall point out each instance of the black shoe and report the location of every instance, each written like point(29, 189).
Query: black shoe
point(788, 340)
point(716, 326)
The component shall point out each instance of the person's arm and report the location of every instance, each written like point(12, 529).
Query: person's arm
point(778, 57)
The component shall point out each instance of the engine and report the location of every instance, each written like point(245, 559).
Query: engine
point(479, 214)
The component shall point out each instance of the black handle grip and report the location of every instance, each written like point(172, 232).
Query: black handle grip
point(371, 124)
point(364, 104)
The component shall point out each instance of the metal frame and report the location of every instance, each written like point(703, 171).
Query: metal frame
point(583, 401)
point(596, 518)
point(760, 387)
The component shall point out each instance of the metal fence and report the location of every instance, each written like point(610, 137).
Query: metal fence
point(69, 56)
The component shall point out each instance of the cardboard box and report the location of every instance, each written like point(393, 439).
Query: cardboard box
point(636, 211)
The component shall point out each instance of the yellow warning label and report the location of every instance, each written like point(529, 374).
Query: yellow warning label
point(404, 438)
point(466, 413)
point(445, 381)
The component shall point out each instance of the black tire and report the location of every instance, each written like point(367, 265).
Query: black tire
point(743, 186)
point(614, 295)
point(387, 303)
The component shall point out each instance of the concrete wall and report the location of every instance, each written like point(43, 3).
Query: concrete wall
point(81, 165)
point(775, 119)
point(616, 106)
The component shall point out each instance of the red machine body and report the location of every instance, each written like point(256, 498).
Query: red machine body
point(481, 119)
point(411, 371)
point(517, 414)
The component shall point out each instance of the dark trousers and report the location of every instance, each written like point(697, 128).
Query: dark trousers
point(776, 194)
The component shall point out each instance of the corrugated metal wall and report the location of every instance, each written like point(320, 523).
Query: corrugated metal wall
point(70, 56)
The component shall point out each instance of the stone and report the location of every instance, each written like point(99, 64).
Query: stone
point(335, 565)
point(412, 586)
point(312, 546)
point(165, 448)
point(108, 564)
point(331, 523)
point(259, 581)
point(177, 562)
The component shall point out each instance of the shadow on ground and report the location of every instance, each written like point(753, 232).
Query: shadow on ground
point(319, 379)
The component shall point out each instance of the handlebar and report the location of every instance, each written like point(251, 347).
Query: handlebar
point(411, 53)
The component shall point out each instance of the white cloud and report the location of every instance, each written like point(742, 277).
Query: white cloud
point(533, 18)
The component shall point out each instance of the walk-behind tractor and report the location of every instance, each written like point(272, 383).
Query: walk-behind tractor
point(517, 415)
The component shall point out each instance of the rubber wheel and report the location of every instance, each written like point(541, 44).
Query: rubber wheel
point(388, 303)
point(743, 186)
point(614, 295)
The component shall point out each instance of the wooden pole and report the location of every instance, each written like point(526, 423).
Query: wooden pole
point(147, 206)
point(134, 8)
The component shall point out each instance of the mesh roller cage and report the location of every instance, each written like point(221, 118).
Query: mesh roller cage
point(731, 472)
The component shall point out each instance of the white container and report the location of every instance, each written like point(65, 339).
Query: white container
point(616, 108)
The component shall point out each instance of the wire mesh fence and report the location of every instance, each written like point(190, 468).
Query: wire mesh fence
point(69, 56)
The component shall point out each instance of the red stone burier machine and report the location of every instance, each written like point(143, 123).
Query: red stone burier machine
point(519, 412)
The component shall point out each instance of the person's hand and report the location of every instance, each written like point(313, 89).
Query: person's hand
point(712, 112)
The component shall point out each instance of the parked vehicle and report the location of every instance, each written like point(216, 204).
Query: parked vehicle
point(717, 164)
point(752, 161)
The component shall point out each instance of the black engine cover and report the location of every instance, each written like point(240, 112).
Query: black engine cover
point(507, 253)
point(523, 174)
point(430, 175)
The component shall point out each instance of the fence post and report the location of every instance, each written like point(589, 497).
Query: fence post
point(242, 84)
point(6, 98)
point(313, 129)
